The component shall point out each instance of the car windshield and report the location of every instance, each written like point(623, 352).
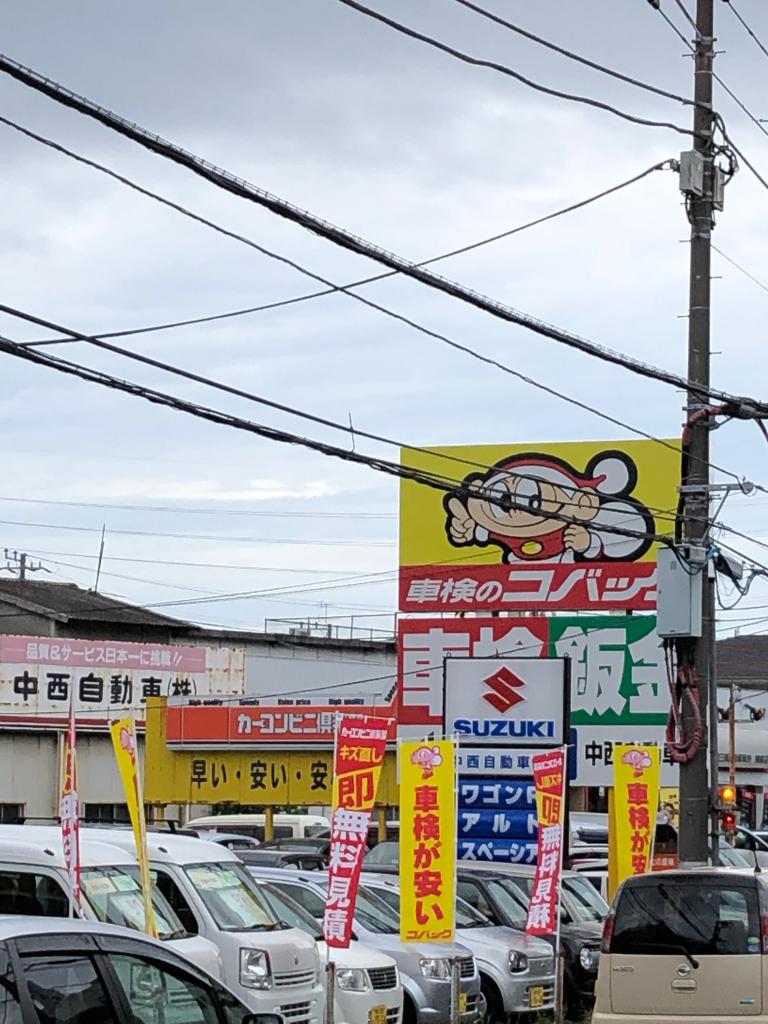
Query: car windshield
point(115, 896)
point(692, 916)
point(584, 901)
point(466, 915)
point(385, 854)
point(375, 913)
point(231, 897)
point(511, 901)
point(288, 911)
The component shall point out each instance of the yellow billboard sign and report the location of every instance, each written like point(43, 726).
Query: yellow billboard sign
point(637, 778)
point(428, 839)
point(524, 525)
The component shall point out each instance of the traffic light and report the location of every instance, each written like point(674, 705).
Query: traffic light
point(728, 809)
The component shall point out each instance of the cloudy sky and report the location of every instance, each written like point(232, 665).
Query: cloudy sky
point(408, 148)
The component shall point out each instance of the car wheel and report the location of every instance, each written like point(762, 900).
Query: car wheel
point(494, 1012)
point(409, 1010)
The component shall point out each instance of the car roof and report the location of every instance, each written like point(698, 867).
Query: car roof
point(13, 925)
point(170, 848)
point(41, 845)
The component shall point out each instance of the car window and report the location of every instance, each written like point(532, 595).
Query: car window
point(67, 989)
point(10, 1009)
point(584, 901)
point(312, 901)
point(510, 900)
point(286, 909)
point(704, 917)
point(231, 897)
point(158, 995)
point(375, 914)
point(33, 893)
point(472, 894)
point(387, 854)
point(116, 898)
point(177, 900)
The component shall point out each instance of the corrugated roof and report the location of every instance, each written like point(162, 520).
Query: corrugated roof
point(743, 660)
point(67, 602)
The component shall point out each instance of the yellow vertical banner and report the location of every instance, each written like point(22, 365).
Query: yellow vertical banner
point(637, 779)
point(428, 841)
point(126, 751)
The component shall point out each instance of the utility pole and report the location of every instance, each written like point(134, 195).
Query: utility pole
point(694, 785)
point(18, 562)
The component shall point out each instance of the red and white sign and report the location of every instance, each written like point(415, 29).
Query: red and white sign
point(425, 644)
point(607, 587)
point(69, 812)
point(40, 677)
point(361, 744)
point(549, 776)
point(203, 725)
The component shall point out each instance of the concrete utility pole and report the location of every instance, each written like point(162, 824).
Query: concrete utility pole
point(694, 786)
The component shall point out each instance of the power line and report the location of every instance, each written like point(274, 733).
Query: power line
point(729, 3)
point(333, 289)
point(180, 510)
point(396, 469)
point(508, 71)
point(575, 56)
point(322, 421)
point(345, 239)
point(738, 266)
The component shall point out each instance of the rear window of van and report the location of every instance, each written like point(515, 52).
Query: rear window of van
point(702, 917)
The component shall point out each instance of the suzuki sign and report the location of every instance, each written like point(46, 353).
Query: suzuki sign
point(520, 702)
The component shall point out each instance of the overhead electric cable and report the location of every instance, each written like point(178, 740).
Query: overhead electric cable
point(732, 6)
point(738, 266)
point(504, 69)
point(595, 65)
point(345, 239)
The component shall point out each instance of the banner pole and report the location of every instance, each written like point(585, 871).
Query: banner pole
point(455, 991)
point(330, 987)
point(558, 993)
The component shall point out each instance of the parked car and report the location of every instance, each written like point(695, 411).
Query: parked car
point(503, 902)
point(230, 840)
point(34, 882)
point(383, 857)
point(283, 825)
point(517, 971)
point(270, 966)
point(269, 858)
point(753, 844)
point(425, 968)
point(685, 945)
point(315, 844)
point(80, 972)
point(579, 901)
point(367, 982)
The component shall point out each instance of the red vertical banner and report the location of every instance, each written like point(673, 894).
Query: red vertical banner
point(69, 811)
point(549, 776)
point(361, 743)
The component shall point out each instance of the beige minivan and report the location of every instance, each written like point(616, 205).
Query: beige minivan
point(686, 945)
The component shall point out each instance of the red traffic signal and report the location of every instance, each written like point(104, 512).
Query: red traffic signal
point(729, 821)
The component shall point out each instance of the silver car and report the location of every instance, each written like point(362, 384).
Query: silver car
point(517, 971)
point(70, 970)
point(425, 968)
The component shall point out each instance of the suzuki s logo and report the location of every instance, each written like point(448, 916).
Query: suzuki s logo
point(505, 687)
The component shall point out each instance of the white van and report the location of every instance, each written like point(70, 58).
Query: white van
point(33, 882)
point(270, 966)
point(285, 826)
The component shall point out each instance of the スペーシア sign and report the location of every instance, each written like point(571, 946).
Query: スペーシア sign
point(550, 527)
point(428, 841)
point(361, 744)
point(104, 679)
point(505, 700)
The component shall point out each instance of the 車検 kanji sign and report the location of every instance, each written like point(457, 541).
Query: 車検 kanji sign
point(428, 841)
point(555, 527)
point(637, 780)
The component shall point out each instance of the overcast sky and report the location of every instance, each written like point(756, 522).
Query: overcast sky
point(408, 148)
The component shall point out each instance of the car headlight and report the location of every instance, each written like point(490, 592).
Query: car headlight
point(518, 961)
point(254, 969)
point(436, 968)
point(352, 979)
point(588, 958)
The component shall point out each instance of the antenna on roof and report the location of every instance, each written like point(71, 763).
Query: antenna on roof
point(101, 558)
point(20, 562)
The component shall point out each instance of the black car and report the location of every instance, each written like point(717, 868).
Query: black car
point(503, 897)
point(310, 844)
point(297, 859)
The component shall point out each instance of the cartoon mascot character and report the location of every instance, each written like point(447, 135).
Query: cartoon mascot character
point(538, 508)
